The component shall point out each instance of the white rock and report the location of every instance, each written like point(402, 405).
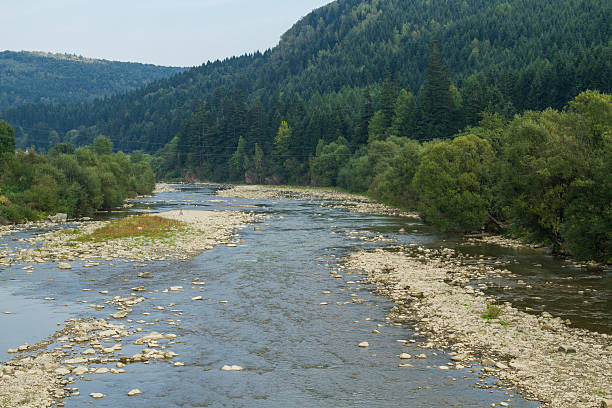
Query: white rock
point(97, 395)
point(62, 371)
point(405, 356)
point(231, 368)
point(134, 392)
point(364, 344)
point(64, 265)
point(80, 370)
point(196, 298)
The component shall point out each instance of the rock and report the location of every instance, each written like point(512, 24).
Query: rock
point(364, 344)
point(606, 403)
point(146, 275)
point(62, 371)
point(232, 368)
point(443, 367)
point(134, 392)
point(97, 395)
point(139, 289)
point(375, 331)
point(501, 366)
point(176, 288)
point(102, 370)
point(405, 356)
point(80, 370)
point(567, 349)
point(196, 298)
point(119, 315)
point(76, 360)
point(421, 356)
point(89, 352)
point(64, 265)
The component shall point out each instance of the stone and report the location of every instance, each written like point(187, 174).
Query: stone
point(405, 356)
point(102, 370)
point(64, 265)
point(139, 289)
point(62, 371)
point(421, 356)
point(80, 370)
point(364, 344)
point(196, 298)
point(566, 349)
point(176, 288)
point(134, 392)
point(501, 366)
point(146, 275)
point(606, 403)
point(97, 395)
point(232, 368)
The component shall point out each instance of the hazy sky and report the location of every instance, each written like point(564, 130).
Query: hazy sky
point(163, 32)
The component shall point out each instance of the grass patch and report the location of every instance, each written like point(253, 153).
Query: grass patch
point(493, 312)
point(139, 226)
point(71, 232)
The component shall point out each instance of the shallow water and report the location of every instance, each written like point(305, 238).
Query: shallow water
point(295, 351)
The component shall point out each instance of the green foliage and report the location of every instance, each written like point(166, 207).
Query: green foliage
point(493, 312)
point(324, 167)
point(394, 185)
point(73, 182)
point(453, 183)
point(7, 139)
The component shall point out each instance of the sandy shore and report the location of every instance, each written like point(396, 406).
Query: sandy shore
point(204, 229)
point(352, 202)
point(540, 355)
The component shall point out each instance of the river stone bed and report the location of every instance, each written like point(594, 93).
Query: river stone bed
point(351, 202)
point(204, 230)
point(39, 376)
point(541, 355)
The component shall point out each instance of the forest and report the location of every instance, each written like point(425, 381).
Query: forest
point(489, 115)
point(73, 181)
point(32, 77)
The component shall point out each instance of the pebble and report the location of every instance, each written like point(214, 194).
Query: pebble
point(364, 344)
point(197, 298)
point(134, 392)
point(405, 356)
point(64, 265)
point(232, 368)
point(97, 395)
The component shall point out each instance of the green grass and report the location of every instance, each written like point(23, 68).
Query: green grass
point(139, 226)
point(493, 312)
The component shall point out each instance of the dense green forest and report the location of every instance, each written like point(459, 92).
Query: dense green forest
point(32, 77)
point(509, 55)
point(480, 114)
point(68, 180)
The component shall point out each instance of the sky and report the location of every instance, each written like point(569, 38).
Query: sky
point(162, 32)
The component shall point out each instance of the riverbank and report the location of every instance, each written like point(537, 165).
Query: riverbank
point(203, 230)
point(542, 356)
point(337, 199)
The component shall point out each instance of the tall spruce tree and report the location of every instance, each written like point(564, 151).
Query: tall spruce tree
point(436, 106)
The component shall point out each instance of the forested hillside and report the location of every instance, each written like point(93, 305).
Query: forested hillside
point(31, 77)
point(507, 55)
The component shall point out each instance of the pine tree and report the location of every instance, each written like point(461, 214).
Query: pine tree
point(436, 101)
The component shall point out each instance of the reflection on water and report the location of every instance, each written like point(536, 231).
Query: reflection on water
point(262, 309)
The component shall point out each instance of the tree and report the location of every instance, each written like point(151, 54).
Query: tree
point(404, 114)
point(7, 138)
point(102, 145)
point(454, 185)
point(436, 105)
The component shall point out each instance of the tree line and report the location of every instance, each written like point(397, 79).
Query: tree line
point(73, 181)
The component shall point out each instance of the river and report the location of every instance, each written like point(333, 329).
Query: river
point(264, 308)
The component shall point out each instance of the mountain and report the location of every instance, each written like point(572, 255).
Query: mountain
point(32, 77)
point(325, 78)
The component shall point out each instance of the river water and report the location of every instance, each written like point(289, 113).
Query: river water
point(262, 309)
